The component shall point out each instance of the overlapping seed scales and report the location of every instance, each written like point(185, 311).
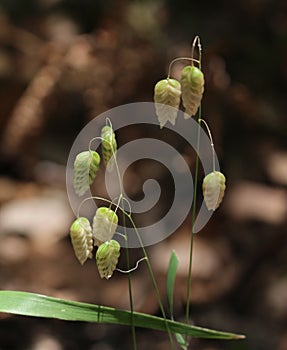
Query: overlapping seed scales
point(82, 239)
point(109, 146)
point(107, 258)
point(104, 225)
point(167, 94)
point(192, 85)
point(213, 189)
point(86, 166)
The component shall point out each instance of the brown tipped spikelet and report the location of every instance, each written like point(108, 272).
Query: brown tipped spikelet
point(167, 94)
point(86, 166)
point(82, 240)
point(192, 85)
point(213, 189)
point(107, 258)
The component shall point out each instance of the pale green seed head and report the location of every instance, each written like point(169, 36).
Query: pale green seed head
point(82, 240)
point(107, 258)
point(107, 213)
point(86, 166)
point(79, 223)
point(193, 74)
point(109, 138)
point(165, 85)
point(213, 188)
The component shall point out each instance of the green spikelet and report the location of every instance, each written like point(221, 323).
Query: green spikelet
point(192, 85)
point(86, 166)
point(82, 240)
point(104, 225)
point(107, 258)
point(167, 93)
point(213, 189)
point(109, 146)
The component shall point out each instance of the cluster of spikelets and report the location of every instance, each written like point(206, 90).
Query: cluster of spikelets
point(167, 93)
point(84, 236)
point(87, 163)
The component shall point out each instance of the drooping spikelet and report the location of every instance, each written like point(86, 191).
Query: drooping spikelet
point(213, 189)
point(86, 166)
point(104, 225)
point(167, 94)
point(192, 85)
point(109, 146)
point(107, 258)
point(82, 240)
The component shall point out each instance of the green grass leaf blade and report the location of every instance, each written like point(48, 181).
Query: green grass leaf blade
point(36, 305)
point(171, 274)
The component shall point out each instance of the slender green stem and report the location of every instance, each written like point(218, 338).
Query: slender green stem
point(130, 286)
point(152, 278)
point(193, 215)
point(146, 256)
point(127, 255)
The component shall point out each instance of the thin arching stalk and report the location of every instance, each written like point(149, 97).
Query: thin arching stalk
point(211, 143)
point(180, 59)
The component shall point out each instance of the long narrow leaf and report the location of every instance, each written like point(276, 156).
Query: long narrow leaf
point(171, 273)
point(30, 304)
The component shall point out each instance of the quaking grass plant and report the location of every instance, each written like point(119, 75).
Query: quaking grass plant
point(101, 232)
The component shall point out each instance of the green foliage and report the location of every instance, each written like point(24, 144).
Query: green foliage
point(171, 274)
point(35, 305)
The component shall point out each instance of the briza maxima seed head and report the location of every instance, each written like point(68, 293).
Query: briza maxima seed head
point(86, 166)
point(104, 225)
point(82, 240)
point(109, 146)
point(167, 93)
point(213, 189)
point(107, 258)
point(192, 85)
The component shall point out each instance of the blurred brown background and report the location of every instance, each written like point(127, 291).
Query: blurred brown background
point(62, 62)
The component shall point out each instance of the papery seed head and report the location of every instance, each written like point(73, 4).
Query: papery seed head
point(109, 146)
point(86, 166)
point(167, 94)
point(104, 225)
point(192, 85)
point(82, 240)
point(107, 258)
point(213, 187)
